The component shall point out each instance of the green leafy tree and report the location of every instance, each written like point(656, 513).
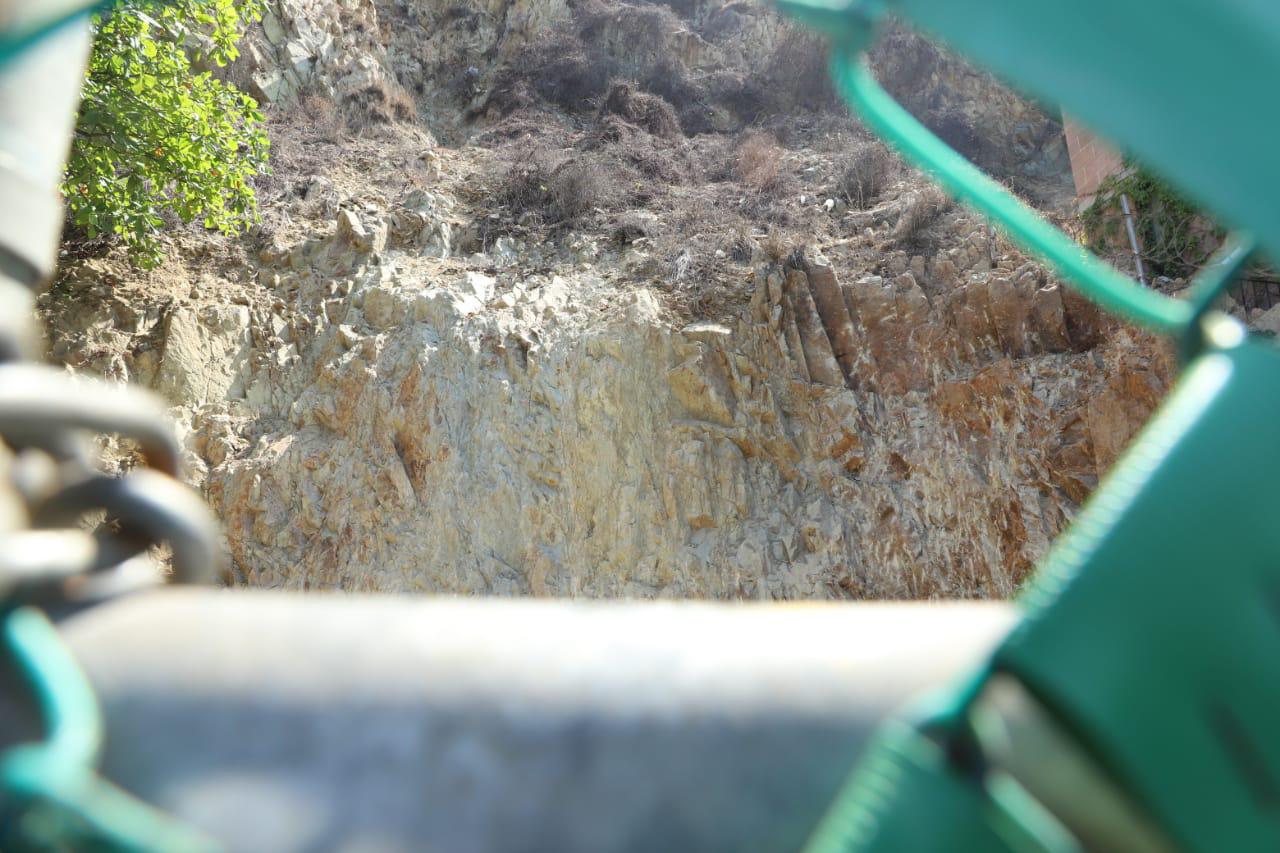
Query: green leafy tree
point(158, 132)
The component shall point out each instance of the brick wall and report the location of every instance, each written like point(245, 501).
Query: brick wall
point(1092, 160)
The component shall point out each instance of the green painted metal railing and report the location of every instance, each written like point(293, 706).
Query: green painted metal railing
point(52, 798)
point(28, 32)
point(1150, 644)
point(1155, 648)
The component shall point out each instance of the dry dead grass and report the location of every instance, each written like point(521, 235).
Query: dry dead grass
point(555, 190)
point(920, 212)
point(382, 103)
point(581, 186)
point(572, 67)
point(643, 109)
point(759, 164)
point(867, 172)
point(322, 115)
point(776, 246)
point(524, 186)
point(557, 68)
point(647, 23)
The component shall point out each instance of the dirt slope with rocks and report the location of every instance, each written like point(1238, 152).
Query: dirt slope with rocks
point(658, 329)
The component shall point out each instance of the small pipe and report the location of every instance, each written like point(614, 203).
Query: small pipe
point(1133, 237)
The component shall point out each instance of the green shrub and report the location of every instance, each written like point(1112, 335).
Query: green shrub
point(158, 133)
point(1176, 238)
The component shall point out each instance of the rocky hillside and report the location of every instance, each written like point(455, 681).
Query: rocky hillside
point(611, 300)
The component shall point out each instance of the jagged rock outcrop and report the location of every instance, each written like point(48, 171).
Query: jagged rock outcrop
point(400, 384)
point(341, 49)
point(394, 420)
point(449, 432)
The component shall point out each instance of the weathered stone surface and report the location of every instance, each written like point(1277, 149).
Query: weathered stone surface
point(1268, 321)
point(394, 422)
point(818, 355)
point(389, 411)
point(205, 356)
point(830, 303)
point(434, 443)
point(270, 86)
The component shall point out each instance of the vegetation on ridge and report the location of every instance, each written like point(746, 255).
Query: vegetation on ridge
point(159, 135)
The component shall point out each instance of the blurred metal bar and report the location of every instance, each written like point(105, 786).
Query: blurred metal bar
point(39, 93)
point(324, 722)
point(38, 96)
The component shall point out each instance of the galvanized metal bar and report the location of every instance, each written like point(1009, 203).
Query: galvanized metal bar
point(39, 91)
point(293, 722)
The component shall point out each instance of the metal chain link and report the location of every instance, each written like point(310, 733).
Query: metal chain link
point(50, 795)
point(70, 534)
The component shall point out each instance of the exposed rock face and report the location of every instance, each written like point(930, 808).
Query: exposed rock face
point(402, 422)
point(986, 122)
point(377, 417)
point(381, 391)
point(339, 49)
point(441, 433)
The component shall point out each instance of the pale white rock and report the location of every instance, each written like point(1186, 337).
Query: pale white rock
point(709, 333)
point(272, 28)
point(608, 452)
point(348, 336)
point(479, 285)
point(383, 307)
point(205, 356)
point(270, 86)
point(299, 58)
point(352, 232)
point(1268, 321)
point(505, 251)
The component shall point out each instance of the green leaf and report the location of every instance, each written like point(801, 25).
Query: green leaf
point(155, 136)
